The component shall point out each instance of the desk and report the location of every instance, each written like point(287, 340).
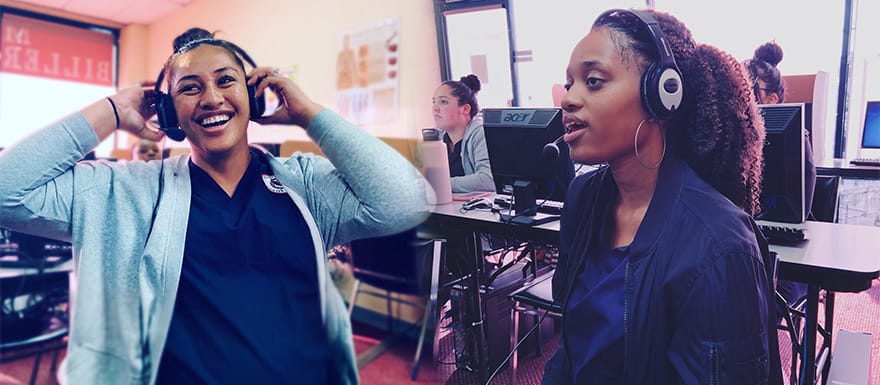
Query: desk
point(845, 169)
point(449, 216)
point(20, 280)
point(836, 257)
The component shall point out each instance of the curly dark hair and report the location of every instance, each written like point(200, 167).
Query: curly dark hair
point(718, 129)
point(465, 90)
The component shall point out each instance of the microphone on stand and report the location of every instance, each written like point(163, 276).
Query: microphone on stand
point(551, 150)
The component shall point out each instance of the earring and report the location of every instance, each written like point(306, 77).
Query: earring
point(636, 146)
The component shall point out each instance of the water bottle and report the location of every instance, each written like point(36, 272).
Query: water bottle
point(435, 161)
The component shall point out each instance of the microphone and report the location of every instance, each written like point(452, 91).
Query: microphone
point(551, 150)
point(174, 133)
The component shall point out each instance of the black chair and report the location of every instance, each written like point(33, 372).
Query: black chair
point(535, 299)
point(33, 319)
point(400, 263)
point(825, 198)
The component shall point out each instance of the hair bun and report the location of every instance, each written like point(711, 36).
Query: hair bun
point(472, 81)
point(191, 35)
point(769, 52)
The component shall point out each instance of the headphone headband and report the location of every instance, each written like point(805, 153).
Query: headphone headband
point(661, 88)
point(659, 38)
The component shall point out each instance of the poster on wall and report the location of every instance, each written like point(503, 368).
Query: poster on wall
point(367, 85)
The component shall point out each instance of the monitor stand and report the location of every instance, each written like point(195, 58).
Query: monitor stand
point(525, 206)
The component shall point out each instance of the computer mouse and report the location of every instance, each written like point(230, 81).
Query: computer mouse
point(477, 203)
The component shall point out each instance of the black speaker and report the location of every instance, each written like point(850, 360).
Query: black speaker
point(661, 87)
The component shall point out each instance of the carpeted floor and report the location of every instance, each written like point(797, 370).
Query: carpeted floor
point(854, 312)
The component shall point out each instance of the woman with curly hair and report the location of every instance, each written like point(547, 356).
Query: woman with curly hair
point(661, 275)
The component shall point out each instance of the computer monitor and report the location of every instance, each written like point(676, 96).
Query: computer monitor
point(871, 129)
point(782, 192)
point(515, 139)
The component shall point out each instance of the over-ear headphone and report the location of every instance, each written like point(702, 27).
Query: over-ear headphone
point(167, 115)
point(661, 86)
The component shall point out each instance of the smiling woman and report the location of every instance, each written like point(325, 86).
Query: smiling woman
point(225, 247)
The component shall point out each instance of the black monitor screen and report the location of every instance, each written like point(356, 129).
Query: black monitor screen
point(782, 192)
point(515, 139)
point(871, 132)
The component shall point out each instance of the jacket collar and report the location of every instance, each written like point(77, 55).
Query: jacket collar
point(658, 216)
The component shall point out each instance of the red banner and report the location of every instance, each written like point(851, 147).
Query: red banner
point(51, 50)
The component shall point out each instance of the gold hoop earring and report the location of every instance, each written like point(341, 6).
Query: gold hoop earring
point(636, 146)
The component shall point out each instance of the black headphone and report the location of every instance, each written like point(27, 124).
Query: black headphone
point(166, 113)
point(661, 87)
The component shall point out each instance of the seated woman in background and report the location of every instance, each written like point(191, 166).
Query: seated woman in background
point(455, 113)
point(146, 149)
point(769, 88)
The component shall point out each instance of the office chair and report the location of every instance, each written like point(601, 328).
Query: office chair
point(400, 263)
point(825, 198)
point(36, 328)
point(535, 299)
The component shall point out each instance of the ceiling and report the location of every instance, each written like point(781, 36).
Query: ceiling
point(120, 11)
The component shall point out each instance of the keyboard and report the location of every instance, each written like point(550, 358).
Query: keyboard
point(548, 207)
point(866, 162)
point(551, 207)
point(783, 235)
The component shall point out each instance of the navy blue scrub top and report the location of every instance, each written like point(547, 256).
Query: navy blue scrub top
point(247, 309)
point(594, 314)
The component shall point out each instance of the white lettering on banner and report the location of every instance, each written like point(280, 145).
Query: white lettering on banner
point(17, 35)
point(53, 58)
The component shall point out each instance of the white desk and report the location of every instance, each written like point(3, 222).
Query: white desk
point(835, 257)
point(10, 272)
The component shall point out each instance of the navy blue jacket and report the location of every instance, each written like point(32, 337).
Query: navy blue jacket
point(699, 305)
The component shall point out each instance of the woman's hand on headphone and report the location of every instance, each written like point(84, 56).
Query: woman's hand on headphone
point(135, 105)
point(294, 107)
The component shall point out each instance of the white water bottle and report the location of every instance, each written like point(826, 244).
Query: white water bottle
point(435, 161)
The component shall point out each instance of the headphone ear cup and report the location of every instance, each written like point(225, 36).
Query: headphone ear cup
point(258, 104)
point(167, 116)
point(661, 91)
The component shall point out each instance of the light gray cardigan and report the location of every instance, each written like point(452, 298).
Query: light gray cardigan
point(474, 160)
point(126, 276)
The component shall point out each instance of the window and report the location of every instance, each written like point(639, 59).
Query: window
point(49, 69)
